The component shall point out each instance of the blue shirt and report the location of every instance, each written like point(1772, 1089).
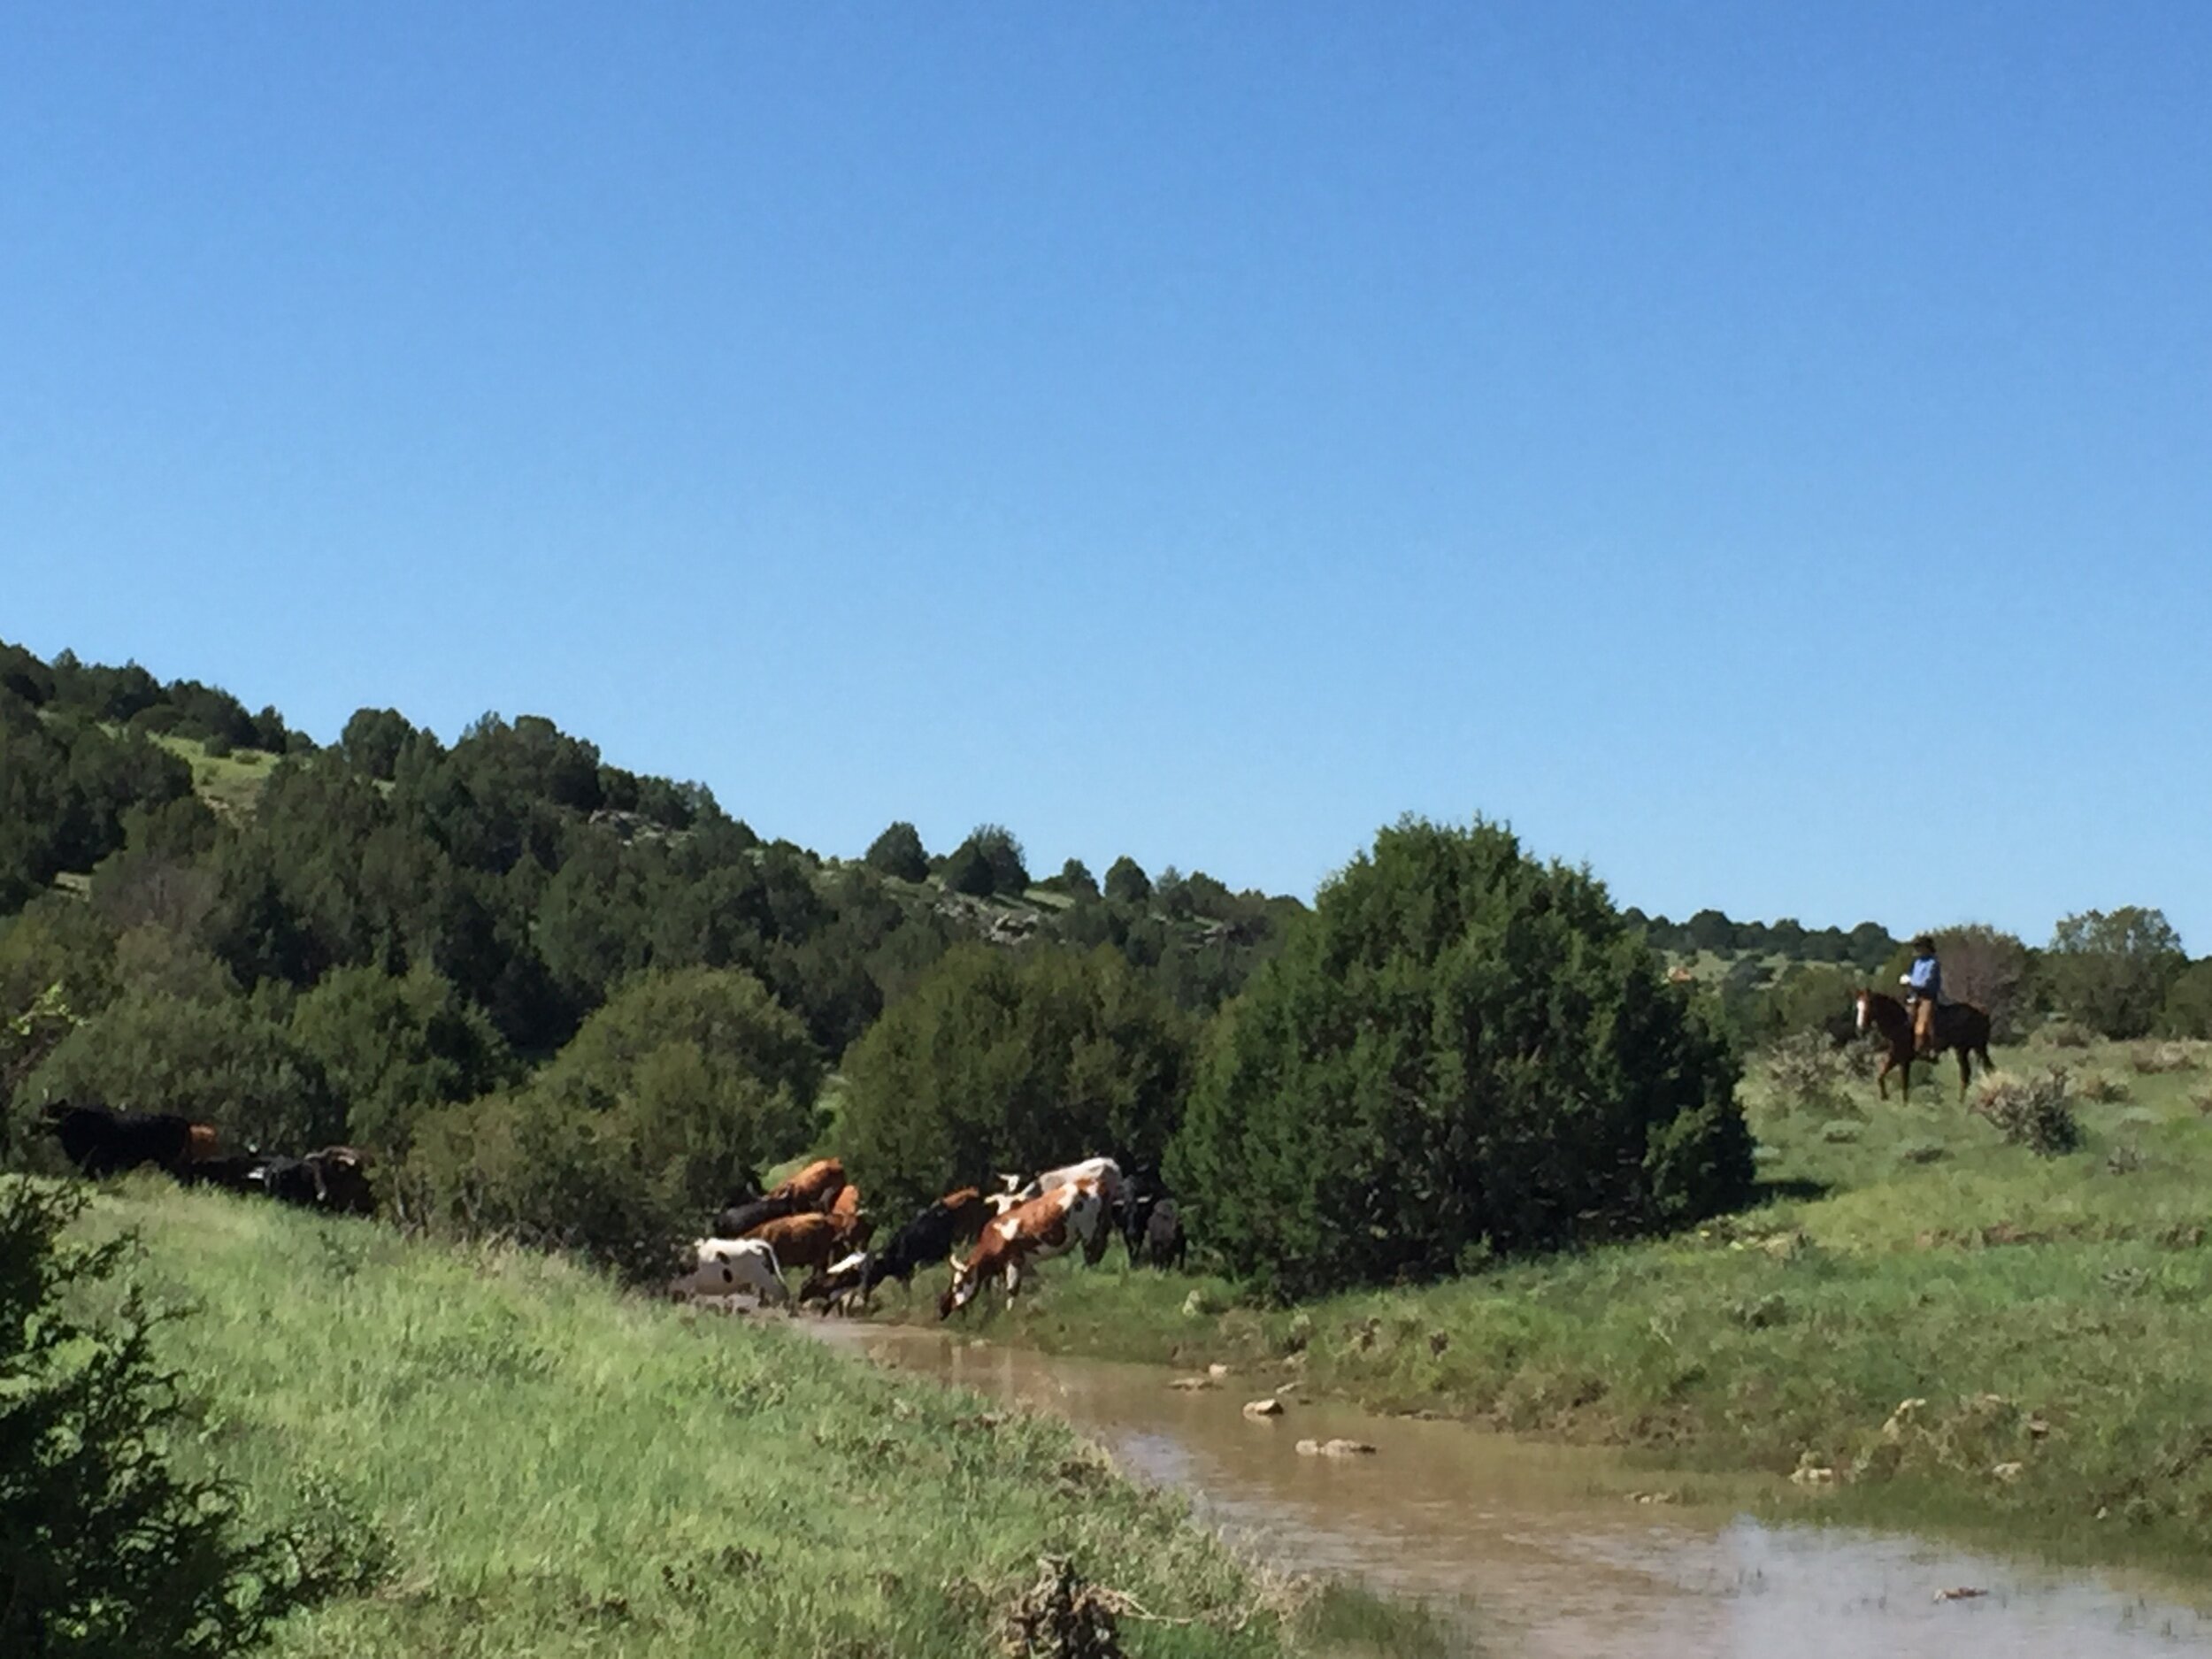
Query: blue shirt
point(1926, 978)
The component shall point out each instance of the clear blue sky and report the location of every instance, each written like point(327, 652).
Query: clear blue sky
point(1765, 451)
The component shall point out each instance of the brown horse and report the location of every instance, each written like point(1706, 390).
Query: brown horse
point(1958, 1025)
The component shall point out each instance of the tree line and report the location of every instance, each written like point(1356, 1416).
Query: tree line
point(583, 1006)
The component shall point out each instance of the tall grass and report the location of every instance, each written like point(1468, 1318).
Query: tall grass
point(551, 1470)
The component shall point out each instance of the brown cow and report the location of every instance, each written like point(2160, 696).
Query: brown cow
point(848, 1200)
point(814, 1187)
point(200, 1144)
point(1042, 1227)
point(813, 1241)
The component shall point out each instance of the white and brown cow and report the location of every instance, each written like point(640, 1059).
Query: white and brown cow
point(1113, 1191)
point(730, 1267)
point(1072, 1214)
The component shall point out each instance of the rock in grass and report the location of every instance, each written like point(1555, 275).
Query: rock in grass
point(1192, 1385)
point(1267, 1408)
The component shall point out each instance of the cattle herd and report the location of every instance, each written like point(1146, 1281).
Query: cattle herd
point(101, 1140)
point(814, 1222)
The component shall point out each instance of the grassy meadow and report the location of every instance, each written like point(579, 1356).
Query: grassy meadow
point(544, 1467)
point(1919, 1325)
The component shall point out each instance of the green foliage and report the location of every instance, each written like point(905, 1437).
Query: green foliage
point(2112, 972)
point(65, 786)
point(1076, 879)
point(997, 1060)
point(392, 1047)
point(372, 740)
point(899, 852)
point(228, 1061)
point(1126, 882)
point(967, 871)
point(2188, 1010)
point(680, 1089)
point(108, 1551)
point(1462, 1050)
point(1009, 873)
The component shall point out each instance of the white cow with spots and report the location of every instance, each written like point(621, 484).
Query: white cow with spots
point(733, 1267)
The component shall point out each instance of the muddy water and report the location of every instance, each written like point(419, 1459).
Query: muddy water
point(1543, 1548)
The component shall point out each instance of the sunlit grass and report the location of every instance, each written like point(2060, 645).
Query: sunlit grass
point(556, 1470)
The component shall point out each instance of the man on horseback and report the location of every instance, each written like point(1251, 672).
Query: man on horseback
point(1924, 990)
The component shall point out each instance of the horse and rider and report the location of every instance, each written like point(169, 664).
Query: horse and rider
point(1923, 1025)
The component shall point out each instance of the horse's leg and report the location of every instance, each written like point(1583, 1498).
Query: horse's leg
point(1881, 1077)
point(1966, 1069)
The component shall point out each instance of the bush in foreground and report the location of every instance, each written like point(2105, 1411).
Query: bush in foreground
point(105, 1549)
point(1461, 1051)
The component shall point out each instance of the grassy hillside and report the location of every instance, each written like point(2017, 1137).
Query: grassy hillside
point(552, 1470)
point(1936, 1327)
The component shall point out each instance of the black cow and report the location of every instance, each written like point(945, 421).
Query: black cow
point(1164, 1244)
point(740, 1220)
point(234, 1172)
point(926, 1240)
point(101, 1141)
point(1142, 1193)
point(343, 1174)
point(290, 1181)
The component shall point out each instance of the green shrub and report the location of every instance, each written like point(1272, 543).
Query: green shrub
point(227, 1060)
point(678, 1090)
point(2034, 1112)
point(2113, 972)
point(1808, 1073)
point(899, 852)
point(1459, 1047)
point(2100, 1090)
point(2154, 1058)
point(105, 1549)
point(997, 1062)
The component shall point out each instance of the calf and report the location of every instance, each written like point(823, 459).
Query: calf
point(1044, 1226)
point(100, 1142)
point(201, 1144)
point(728, 1267)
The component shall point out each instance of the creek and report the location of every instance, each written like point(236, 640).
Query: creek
point(1546, 1551)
